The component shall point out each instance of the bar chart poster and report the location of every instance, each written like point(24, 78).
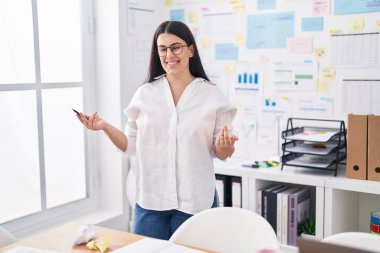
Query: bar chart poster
point(247, 77)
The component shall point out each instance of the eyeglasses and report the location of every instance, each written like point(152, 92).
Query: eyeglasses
point(176, 49)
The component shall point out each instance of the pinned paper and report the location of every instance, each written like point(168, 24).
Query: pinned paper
point(280, 25)
point(312, 24)
point(300, 45)
point(168, 3)
point(240, 40)
point(226, 52)
point(328, 73)
point(319, 52)
point(264, 59)
point(334, 31)
point(204, 43)
point(356, 24)
point(100, 244)
point(323, 85)
point(229, 68)
point(177, 15)
point(321, 7)
point(378, 25)
point(238, 6)
point(266, 4)
point(192, 17)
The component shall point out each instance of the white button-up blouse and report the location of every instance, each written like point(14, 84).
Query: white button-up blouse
point(174, 144)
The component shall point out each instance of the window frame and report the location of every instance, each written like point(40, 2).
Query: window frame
point(46, 217)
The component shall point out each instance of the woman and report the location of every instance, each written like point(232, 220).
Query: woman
point(177, 121)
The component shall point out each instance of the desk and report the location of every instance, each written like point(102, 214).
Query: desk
point(61, 239)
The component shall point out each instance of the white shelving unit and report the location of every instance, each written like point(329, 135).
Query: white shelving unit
point(340, 204)
point(348, 203)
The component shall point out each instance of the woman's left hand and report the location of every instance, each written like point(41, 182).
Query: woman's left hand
point(224, 146)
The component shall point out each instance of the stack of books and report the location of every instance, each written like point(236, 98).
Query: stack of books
point(284, 207)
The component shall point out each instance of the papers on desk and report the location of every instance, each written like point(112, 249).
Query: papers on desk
point(149, 245)
point(20, 249)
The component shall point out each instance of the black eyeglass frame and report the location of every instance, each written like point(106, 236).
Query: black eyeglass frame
point(160, 49)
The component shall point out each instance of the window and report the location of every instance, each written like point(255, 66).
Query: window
point(44, 72)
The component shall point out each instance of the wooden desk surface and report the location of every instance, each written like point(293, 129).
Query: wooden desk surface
point(61, 239)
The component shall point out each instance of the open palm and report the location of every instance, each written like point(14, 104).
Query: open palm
point(93, 122)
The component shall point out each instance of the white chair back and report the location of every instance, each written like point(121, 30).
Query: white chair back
point(357, 240)
point(227, 229)
point(6, 237)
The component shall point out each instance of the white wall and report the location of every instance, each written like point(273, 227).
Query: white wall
point(108, 159)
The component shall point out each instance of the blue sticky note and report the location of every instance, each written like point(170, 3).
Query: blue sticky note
point(226, 52)
point(269, 30)
point(266, 4)
point(312, 24)
point(177, 15)
point(342, 7)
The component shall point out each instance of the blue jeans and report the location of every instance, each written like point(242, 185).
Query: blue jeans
point(161, 224)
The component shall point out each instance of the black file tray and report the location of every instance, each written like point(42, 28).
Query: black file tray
point(314, 147)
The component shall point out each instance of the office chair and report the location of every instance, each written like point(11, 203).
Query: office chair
point(357, 240)
point(227, 229)
point(6, 237)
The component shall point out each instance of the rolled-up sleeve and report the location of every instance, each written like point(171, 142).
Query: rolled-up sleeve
point(132, 112)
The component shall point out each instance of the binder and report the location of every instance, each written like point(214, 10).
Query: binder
point(357, 147)
point(295, 200)
point(236, 192)
point(226, 196)
point(279, 225)
point(270, 205)
point(264, 199)
point(220, 191)
point(373, 147)
point(283, 236)
point(259, 198)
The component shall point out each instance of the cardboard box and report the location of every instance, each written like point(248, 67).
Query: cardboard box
point(373, 147)
point(357, 147)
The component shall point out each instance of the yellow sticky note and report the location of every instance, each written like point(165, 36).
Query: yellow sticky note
point(356, 24)
point(328, 73)
point(378, 25)
point(319, 53)
point(323, 85)
point(240, 40)
point(168, 3)
point(229, 68)
point(239, 9)
point(238, 6)
point(334, 31)
point(192, 16)
point(284, 98)
point(204, 43)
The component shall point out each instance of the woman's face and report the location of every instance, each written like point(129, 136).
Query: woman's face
point(174, 54)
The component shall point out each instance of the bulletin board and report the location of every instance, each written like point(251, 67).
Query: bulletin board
point(277, 59)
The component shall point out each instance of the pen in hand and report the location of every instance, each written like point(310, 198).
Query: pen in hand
point(79, 114)
point(75, 111)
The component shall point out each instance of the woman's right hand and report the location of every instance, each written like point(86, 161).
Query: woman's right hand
point(93, 122)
